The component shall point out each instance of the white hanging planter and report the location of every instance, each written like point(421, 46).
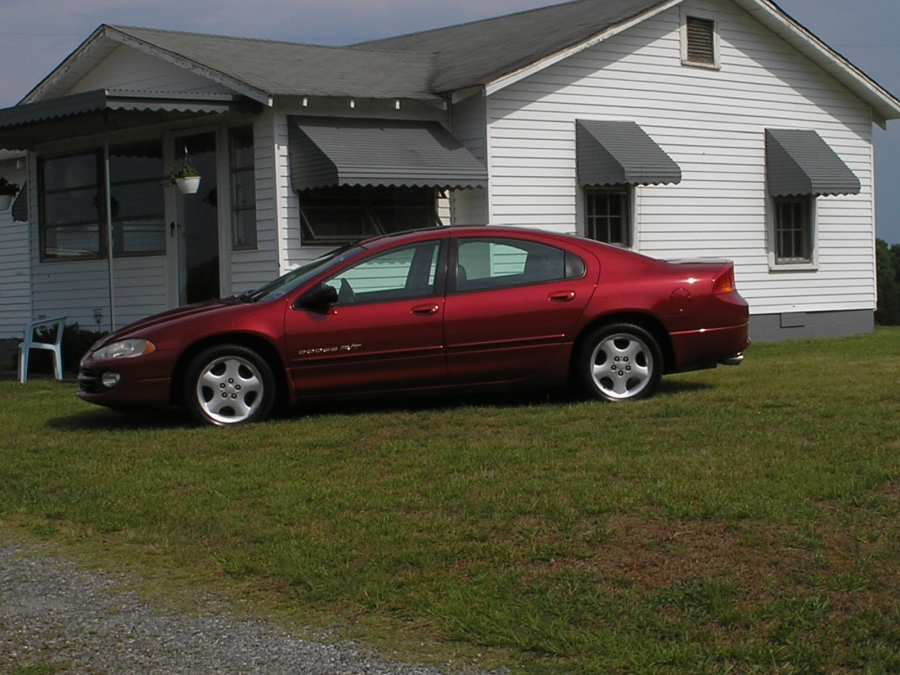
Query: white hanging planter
point(189, 185)
point(5, 201)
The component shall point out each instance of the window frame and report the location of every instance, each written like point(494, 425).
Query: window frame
point(237, 170)
point(807, 257)
point(574, 267)
point(98, 188)
point(626, 194)
point(366, 202)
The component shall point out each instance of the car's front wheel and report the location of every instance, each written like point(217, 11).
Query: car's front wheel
point(619, 362)
point(229, 385)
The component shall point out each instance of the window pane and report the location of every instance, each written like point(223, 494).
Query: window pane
point(136, 163)
point(72, 241)
point(243, 190)
point(73, 203)
point(66, 173)
point(793, 230)
point(485, 264)
point(402, 274)
point(349, 214)
point(76, 206)
point(245, 229)
point(142, 236)
point(607, 216)
point(334, 223)
point(242, 147)
point(137, 199)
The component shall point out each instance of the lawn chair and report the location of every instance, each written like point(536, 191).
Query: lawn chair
point(33, 334)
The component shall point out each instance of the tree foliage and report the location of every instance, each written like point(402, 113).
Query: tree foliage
point(887, 262)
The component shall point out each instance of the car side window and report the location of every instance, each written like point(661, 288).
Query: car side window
point(501, 263)
point(404, 273)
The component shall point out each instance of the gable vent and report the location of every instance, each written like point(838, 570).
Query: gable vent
point(701, 40)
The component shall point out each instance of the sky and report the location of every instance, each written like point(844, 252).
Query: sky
point(37, 35)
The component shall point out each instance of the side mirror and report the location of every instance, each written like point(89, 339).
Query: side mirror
point(319, 298)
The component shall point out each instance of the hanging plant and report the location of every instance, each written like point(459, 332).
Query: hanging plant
point(186, 178)
point(7, 192)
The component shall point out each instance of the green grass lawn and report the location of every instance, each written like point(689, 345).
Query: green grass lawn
point(743, 520)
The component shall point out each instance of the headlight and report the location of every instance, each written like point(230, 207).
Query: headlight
point(124, 349)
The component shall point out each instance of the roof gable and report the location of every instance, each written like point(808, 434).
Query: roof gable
point(482, 52)
point(491, 54)
point(259, 69)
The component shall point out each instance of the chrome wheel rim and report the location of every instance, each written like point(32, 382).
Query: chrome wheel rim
point(230, 390)
point(621, 366)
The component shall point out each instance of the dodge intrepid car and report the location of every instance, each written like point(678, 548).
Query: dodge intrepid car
point(441, 309)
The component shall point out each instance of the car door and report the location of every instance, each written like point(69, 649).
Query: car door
point(384, 332)
point(511, 306)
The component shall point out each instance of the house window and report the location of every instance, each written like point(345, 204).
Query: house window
point(73, 204)
point(607, 215)
point(348, 214)
point(243, 190)
point(793, 229)
point(699, 42)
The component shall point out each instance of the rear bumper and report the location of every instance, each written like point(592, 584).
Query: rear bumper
point(735, 360)
point(709, 347)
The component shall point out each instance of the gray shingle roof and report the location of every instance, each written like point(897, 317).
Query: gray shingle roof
point(418, 65)
point(290, 69)
point(481, 52)
point(428, 64)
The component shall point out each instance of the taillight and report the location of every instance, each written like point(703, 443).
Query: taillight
point(724, 283)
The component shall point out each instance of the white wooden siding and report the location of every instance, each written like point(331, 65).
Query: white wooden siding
point(712, 123)
point(470, 207)
point(140, 290)
point(15, 280)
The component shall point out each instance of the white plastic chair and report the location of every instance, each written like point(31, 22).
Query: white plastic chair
point(31, 342)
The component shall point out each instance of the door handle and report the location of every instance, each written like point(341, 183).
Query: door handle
point(425, 310)
point(562, 296)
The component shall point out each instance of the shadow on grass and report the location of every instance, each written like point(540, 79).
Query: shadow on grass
point(102, 419)
point(111, 420)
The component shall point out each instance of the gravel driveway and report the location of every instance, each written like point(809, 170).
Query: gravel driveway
point(53, 614)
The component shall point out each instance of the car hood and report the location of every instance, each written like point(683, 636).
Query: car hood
point(139, 327)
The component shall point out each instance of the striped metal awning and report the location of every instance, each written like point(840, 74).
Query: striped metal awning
point(800, 162)
point(334, 152)
point(621, 153)
point(24, 126)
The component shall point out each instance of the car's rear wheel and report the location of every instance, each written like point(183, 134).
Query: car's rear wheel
point(229, 385)
point(619, 362)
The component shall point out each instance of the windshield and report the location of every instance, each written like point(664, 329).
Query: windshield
point(300, 275)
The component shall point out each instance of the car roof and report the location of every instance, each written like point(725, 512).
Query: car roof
point(532, 234)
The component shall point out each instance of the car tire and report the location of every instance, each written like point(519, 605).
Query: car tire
point(619, 362)
point(229, 385)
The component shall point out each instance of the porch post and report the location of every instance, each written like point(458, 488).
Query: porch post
point(109, 232)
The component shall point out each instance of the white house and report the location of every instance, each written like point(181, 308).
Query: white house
point(678, 128)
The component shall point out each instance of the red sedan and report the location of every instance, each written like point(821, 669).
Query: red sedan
point(448, 308)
